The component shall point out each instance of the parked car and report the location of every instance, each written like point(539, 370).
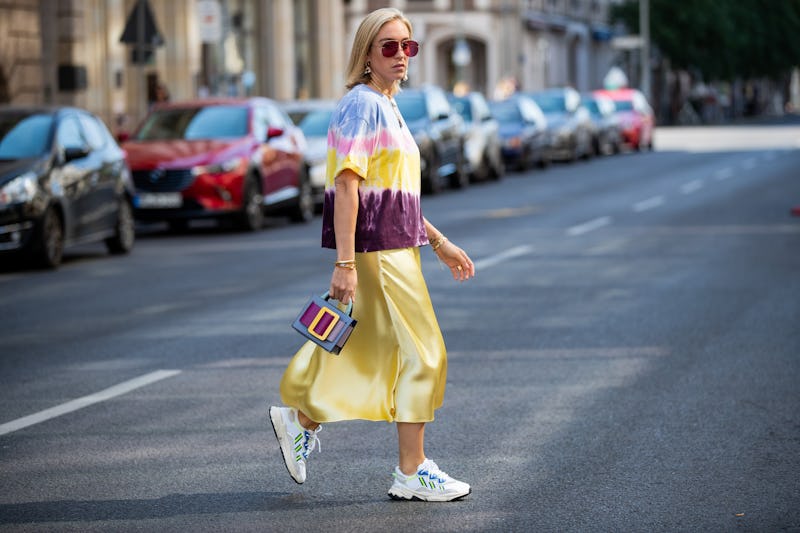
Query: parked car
point(482, 150)
point(523, 132)
point(313, 118)
point(636, 116)
point(607, 132)
point(569, 123)
point(437, 129)
point(233, 159)
point(63, 181)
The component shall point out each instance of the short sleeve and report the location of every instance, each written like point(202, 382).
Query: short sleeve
point(352, 142)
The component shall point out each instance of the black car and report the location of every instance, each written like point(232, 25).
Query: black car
point(568, 121)
point(63, 181)
point(607, 133)
point(438, 131)
point(523, 132)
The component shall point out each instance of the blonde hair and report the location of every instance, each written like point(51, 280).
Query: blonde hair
point(365, 34)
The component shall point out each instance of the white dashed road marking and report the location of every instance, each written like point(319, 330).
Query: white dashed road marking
point(692, 186)
point(586, 227)
point(511, 253)
point(85, 401)
point(650, 203)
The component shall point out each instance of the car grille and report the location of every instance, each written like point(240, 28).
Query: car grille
point(160, 180)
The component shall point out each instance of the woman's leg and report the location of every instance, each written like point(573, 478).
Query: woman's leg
point(305, 421)
point(411, 441)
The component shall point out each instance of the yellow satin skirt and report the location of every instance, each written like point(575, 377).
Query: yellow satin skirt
point(394, 365)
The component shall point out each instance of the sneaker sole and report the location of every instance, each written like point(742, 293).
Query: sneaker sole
point(403, 494)
point(280, 429)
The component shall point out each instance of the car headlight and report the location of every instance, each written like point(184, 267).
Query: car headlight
point(219, 168)
point(514, 142)
point(19, 190)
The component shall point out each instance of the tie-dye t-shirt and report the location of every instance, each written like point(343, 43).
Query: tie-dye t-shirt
point(369, 138)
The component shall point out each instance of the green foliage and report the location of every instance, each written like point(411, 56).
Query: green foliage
point(722, 39)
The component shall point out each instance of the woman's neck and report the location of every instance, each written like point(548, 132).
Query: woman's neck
point(380, 88)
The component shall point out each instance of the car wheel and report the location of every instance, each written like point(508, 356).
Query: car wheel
point(460, 179)
point(251, 217)
point(303, 210)
point(124, 231)
point(524, 162)
point(431, 184)
point(497, 169)
point(544, 160)
point(51, 240)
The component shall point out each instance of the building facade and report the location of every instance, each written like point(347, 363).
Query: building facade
point(70, 51)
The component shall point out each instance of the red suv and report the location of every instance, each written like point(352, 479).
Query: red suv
point(221, 158)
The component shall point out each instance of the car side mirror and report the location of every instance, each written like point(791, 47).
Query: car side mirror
point(273, 132)
point(74, 152)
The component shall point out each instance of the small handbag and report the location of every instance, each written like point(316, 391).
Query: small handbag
point(325, 324)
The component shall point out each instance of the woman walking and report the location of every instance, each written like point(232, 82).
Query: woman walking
point(394, 365)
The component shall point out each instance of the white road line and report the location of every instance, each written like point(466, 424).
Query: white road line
point(586, 227)
point(85, 401)
point(511, 253)
point(723, 174)
point(749, 163)
point(692, 186)
point(650, 203)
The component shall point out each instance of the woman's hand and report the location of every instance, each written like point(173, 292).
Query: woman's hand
point(343, 285)
point(456, 260)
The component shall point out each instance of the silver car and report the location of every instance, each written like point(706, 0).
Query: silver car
point(482, 150)
point(313, 118)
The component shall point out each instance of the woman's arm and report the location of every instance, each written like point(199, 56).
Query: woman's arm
point(345, 211)
point(455, 258)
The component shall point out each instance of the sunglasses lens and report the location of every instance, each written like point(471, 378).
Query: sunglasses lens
point(390, 48)
point(411, 48)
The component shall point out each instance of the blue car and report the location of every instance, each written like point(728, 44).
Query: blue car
point(523, 132)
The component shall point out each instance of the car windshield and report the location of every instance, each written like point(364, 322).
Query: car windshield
point(592, 106)
point(23, 136)
point(212, 122)
point(550, 103)
point(506, 112)
point(462, 106)
point(624, 105)
point(315, 123)
point(412, 106)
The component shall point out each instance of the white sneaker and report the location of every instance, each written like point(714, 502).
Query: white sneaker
point(296, 442)
point(429, 484)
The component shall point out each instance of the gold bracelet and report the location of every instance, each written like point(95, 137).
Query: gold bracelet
point(437, 243)
point(349, 264)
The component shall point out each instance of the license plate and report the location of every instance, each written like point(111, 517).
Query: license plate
point(159, 200)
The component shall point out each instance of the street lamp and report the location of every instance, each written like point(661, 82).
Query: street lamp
point(462, 57)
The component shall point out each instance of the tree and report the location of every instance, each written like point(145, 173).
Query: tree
point(722, 39)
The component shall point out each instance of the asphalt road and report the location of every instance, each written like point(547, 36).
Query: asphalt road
point(627, 359)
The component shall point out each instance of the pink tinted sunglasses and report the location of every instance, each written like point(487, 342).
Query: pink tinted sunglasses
point(390, 48)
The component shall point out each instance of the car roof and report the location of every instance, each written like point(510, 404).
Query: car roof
point(310, 104)
point(617, 94)
point(214, 101)
point(46, 109)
